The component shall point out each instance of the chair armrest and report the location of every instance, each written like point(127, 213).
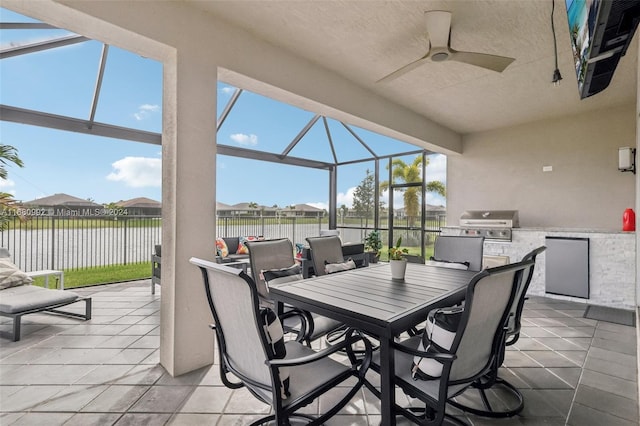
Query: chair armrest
point(346, 344)
point(304, 322)
point(440, 356)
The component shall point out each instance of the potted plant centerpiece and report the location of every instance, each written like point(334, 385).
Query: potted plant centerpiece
point(397, 261)
point(373, 245)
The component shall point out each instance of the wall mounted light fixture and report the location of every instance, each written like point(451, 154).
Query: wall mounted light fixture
point(627, 160)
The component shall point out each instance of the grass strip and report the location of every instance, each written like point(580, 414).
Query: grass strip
point(83, 277)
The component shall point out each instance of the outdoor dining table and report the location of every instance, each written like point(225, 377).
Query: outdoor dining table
point(369, 300)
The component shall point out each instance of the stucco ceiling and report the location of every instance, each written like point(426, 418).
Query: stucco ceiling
point(366, 40)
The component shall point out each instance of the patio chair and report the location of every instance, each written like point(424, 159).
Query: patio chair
point(326, 255)
point(252, 350)
point(511, 401)
point(269, 258)
point(327, 258)
point(471, 352)
point(458, 252)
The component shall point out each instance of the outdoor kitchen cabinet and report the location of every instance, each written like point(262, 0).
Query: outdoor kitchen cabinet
point(567, 266)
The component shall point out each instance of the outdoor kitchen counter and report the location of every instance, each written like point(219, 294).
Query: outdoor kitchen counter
point(612, 261)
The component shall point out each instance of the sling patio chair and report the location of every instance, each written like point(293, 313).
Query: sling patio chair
point(286, 375)
point(458, 252)
point(498, 397)
point(443, 362)
point(327, 256)
point(273, 261)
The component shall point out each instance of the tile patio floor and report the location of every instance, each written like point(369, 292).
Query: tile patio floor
point(106, 371)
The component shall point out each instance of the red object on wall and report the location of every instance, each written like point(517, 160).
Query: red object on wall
point(628, 220)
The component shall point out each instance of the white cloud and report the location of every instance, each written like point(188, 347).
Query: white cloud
point(227, 90)
point(342, 198)
point(145, 111)
point(242, 139)
point(345, 198)
point(6, 183)
point(437, 168)
point(436, 199)
point(137, 172)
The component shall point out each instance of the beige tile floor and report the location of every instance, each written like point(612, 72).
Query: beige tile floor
point(106, 371)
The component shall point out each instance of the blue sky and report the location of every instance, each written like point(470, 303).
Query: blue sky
point(61, 81)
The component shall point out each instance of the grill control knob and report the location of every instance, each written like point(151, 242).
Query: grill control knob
point(489, 233)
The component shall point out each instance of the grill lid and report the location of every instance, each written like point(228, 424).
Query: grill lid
point(490, 218)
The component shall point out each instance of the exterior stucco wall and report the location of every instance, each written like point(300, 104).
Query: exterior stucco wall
point(503, 170)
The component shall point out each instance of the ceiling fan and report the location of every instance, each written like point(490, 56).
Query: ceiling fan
point(439, 28)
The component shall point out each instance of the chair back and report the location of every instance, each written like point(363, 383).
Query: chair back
point(481, 331)
point(325, 249)
point(515, 314)
point(460, 249)
point(329, 232)
point(233, 300)
point(268, 254)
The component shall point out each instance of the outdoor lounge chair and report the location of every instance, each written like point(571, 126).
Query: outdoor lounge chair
point(18, 297)
point(511, 401)
point(473, 348)
point(277, 255)
point(251, 349)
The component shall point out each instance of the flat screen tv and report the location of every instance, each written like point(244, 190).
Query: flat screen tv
point(600, 31)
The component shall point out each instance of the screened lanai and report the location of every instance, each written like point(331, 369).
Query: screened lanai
point(346, 170)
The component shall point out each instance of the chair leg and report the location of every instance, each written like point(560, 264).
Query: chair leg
point(16, 327)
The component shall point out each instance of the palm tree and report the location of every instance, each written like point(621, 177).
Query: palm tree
point(411, 173)
point(8, 154)
point(253, 205)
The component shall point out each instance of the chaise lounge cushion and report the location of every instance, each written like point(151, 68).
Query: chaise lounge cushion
point(28, 297)
point(11, 276)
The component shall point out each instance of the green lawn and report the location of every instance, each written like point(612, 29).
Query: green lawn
point(101, 275)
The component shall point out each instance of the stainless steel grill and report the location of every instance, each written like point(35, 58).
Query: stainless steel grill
point(491, 224)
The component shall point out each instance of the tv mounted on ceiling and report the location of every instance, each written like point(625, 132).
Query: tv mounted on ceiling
point(600, 31)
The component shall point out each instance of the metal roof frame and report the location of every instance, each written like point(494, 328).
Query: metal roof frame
point(91, 127)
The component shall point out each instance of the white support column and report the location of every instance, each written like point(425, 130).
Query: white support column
point(188, 210)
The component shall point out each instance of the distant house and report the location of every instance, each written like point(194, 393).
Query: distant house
point(63, 205)
point(223, 210)
point(302, 210)
point(249, 210)
point(246, 209)
point(141, 206)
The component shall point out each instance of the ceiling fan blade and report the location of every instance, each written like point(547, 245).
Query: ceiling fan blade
point(484, 60)
point(397, 73)
point(438, 25)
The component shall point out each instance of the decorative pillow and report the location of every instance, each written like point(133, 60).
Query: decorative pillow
point(448, 263)
point(242, 248)
point(271, 274)
point(275, 338)
point(11, 275)
point(438, 336)
point(221, 248)
point(331, 268)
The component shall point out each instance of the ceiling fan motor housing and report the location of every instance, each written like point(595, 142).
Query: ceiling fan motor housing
point(440, 56)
